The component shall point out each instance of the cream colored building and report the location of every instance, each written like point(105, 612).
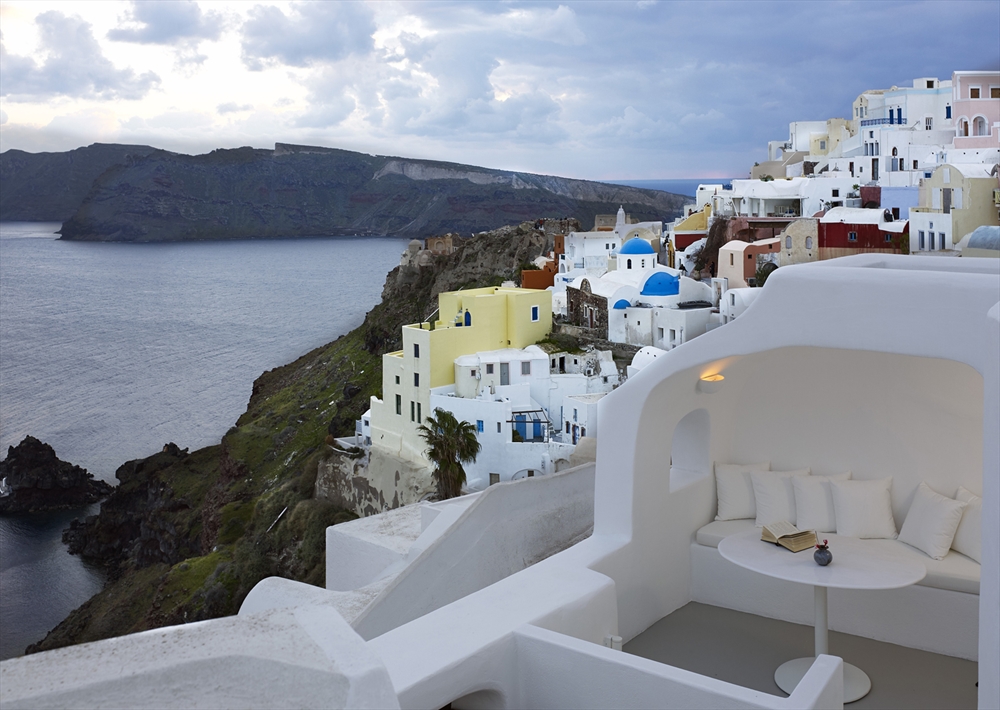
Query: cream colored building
point(800, 242)
point(468, 322)
point(954, 200)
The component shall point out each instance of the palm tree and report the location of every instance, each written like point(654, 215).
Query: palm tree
point(450, 443)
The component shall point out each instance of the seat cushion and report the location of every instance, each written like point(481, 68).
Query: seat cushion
point(955, 572)
point(714, 533)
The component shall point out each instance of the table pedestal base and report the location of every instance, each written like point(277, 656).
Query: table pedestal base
point(856, 681)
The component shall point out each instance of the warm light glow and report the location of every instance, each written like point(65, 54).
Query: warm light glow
point(710, 383)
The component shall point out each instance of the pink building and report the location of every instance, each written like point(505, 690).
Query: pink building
point(976, 108)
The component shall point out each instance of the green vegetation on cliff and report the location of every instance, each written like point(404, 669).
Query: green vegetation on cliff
point(187, 535)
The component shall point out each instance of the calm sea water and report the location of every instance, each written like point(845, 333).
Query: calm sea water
point(108, 351)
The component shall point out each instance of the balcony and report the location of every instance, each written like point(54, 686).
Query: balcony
point(882, 122)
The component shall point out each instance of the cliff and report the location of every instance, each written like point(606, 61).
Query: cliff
point(35, 480)
point(50, 187)
point(185, 536)
point(296, 191)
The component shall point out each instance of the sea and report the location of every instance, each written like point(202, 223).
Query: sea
point(108, 351)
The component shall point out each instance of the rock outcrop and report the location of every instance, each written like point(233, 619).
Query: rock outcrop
point(298, 191)
point(35, 480)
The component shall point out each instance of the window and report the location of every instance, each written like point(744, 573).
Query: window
point(489, 369)
point(607, 247)
point(413, 411)
point(852, 236)
point(928, 123)
point(534, 314)
point(472, 373)
point(809, 242)
point(399, 404)
point(920, 239)
point(628, 264)
point(930, 83)
point(567, 426)
point(416, 350)
point(995, 92)
point(979, 126)
point(479, 426)
point(888, 237)
point(659, 334)
point(947, 111)
point(895, 213)
point(468, 318)
point(835, 193)
point(731, 260)
point(871, 134)
point(914, 164)
point(946, 175)
point(930, 240)
point(526, 367)
point(494, 478)
point(895, 152)
point(974, 92)
point(788, 242)
point(498, 427)
point(416, 379)
point(732, 299)
point(957, 198)
point(574, 415)
point(397, 379)
point(850, 167)
point(419, 418)
point(822, 145)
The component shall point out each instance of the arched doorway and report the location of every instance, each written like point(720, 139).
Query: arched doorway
point(689, 457)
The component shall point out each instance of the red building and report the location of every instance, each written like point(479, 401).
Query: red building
point(851, 230)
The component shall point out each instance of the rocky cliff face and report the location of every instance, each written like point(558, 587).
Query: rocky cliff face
point(296, 191)
point(35, 480)
point(50, 187)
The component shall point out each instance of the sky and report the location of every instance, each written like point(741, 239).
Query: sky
point(593, 90)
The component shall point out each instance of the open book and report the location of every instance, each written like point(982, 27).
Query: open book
point(789, 536)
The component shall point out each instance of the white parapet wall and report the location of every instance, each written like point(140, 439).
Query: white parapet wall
point(509, 526)
point(302, 657)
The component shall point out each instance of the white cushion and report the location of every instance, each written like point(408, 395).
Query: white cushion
point(735, 489)
point(717, 531)
point(931, 522)
point(772, 491)
point(864, 508)
point(956, 572)
point(814, 502)
point(969, 536)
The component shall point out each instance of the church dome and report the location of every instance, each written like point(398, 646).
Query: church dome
point(636, 246)
point(662, 284)
point(621, 304)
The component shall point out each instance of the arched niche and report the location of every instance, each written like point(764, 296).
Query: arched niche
point(689, 457)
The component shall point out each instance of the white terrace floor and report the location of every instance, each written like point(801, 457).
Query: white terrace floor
point(745, 649)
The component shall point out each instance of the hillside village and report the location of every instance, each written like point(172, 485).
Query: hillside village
point(646, 398)
point(636, 290)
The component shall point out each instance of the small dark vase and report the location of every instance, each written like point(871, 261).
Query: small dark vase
point(823, 556)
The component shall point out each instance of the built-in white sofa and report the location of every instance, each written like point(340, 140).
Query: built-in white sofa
point(939, 614)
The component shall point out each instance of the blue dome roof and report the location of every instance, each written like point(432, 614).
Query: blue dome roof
point(637, 246)
point(662, 284)
point(621, 304)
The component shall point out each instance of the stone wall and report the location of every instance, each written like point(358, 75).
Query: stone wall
point(587, 309)
point(371, 484)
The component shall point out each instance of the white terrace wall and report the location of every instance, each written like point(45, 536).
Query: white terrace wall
point(509, 527)
point(863, 303)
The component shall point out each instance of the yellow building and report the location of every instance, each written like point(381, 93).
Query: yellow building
point(468, 322)
point(954, 200)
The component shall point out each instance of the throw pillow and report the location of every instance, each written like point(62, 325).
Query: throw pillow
point(931, 522)
point(772, 491)
point(863, 508)
point(969, 536)
point(814, 502)
point(735, 489)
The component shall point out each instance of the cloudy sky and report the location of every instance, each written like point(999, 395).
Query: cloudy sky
point(598, 90)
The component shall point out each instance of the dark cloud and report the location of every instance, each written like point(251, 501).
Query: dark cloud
point(75, 66)
point(311, 33)
point(168, 22)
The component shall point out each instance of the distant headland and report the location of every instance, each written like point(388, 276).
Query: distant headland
point(131, 193)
